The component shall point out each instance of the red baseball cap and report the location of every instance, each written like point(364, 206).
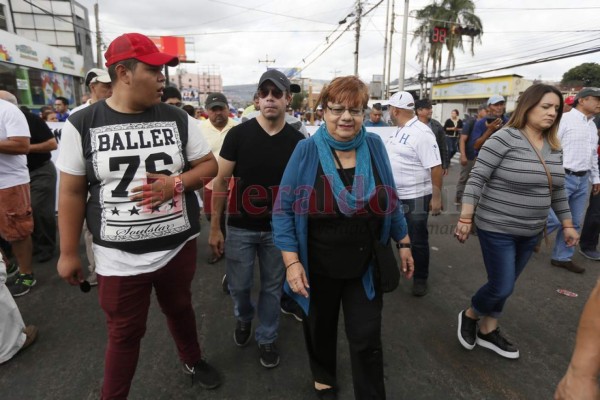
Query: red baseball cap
point(570, 100)
point(140, 47)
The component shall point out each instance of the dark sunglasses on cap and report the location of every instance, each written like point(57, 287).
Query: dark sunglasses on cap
point(275, 92)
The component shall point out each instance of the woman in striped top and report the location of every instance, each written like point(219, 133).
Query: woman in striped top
point(510, 189)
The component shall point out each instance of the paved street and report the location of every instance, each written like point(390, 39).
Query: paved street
point(423, 359)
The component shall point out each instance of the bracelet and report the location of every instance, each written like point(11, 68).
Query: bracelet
point(292, 263)
point(469, 222)
point(467, 218)
point(403, 245)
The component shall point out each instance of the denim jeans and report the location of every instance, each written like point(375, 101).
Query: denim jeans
point(505, 257)
point(241, 248)
point(577, 190)
point(416, 212)
point(591, 225)
point(452, 144)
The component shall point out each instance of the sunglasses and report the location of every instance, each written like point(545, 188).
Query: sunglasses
point(275, 92)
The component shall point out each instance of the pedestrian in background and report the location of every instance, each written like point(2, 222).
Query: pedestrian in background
point(453, 127)
point(517, 177)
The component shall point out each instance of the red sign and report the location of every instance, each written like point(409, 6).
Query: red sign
point(174, 45)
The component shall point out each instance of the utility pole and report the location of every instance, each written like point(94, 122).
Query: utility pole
point(385, 50)
point(358, 15)
point(403, 52)
point(267, 61)
point(389, 67)
point(335, 72)
point(98, 37)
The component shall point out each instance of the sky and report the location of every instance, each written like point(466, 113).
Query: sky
point(231, 37)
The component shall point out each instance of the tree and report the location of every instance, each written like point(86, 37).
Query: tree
point(586, 74)
point(447, 14)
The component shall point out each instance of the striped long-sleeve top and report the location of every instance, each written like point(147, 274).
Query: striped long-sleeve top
point(509, 185)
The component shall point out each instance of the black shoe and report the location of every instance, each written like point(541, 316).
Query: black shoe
point(419, 288)
point(224, 284)
point(203, 373)
point(294, 310)
point(242, 333)
point(498, 343)
point(467, 331)
point(269, 356)
point(326, 394)
point(568, 265)
point(22, 284)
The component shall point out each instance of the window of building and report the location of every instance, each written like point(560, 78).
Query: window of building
point(3, 24)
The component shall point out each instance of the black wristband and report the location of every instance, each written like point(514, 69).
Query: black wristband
point(403, 245)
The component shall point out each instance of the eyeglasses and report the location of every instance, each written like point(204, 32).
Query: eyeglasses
point(275, 92)
point(355, 112)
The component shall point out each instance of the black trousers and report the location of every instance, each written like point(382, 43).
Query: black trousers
point(362, 320)
point(42, 187)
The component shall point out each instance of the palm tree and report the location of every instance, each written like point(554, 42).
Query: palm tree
point(445, 14)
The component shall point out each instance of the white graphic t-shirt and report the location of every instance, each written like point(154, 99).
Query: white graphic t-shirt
point(116, 151)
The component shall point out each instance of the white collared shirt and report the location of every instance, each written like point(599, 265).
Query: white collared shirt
point(579, 140)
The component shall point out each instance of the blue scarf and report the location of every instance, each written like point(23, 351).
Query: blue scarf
point(363, 184)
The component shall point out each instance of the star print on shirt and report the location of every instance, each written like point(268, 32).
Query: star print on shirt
point(155, 209)
point(173, 203)
point(134, 210)
point(115, 211)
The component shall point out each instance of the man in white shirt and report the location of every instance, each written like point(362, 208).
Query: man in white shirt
point(141, 161)
point(16, 217)
point(579, 139)
point(99, 83)
point(417, 168)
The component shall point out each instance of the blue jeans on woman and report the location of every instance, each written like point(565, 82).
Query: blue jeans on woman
point(241, 248)
point(505, 257)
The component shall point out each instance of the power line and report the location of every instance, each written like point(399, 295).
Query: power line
point(270, 12)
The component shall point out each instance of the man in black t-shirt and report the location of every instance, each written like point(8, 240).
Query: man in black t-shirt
point(255, 154)
point(42, 185)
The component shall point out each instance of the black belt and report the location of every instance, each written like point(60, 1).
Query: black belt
point(576, 173)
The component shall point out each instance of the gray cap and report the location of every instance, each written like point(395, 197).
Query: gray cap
point(495, 99)
point(585, 92)
point(279, 80)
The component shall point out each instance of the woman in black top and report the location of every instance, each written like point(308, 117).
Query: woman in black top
point(336, 197)
point(453, 126)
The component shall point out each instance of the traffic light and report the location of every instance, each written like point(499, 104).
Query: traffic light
point(470, 31)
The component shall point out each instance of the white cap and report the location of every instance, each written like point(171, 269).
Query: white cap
point(495, 99)
point(402, 100)
point(96, 75)
point(319, 107)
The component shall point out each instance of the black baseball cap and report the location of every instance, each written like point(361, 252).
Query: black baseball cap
point(422, 103)
point(280, 80)
point(215, 100)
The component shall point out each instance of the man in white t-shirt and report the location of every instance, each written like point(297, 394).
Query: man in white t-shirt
point(417, 168)
point(141, 161)
point(16, 217)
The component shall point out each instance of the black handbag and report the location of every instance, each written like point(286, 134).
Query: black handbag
point(387, 273)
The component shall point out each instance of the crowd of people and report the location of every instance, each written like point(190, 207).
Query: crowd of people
point(319, 213)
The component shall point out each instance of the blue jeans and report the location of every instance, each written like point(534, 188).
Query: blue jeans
point(577, 190)
point(505, 257)
point(416, 212)
point(241, 248)
point(452, 144)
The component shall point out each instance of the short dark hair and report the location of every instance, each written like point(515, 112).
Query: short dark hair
point(170, 92)
point(63, 99)
point(129, 64)
point(376, 106)
point(189, 109)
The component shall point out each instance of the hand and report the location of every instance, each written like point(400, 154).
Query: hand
point(69, 268)
point(571, 236)
point(462, 231)
point(444, 171)
point(596, 189)
point(216, 242)
point(463, 160)
point(574, 387)
point(407, 262)
point(160, 188)
point(296, 278)
point(435, 206)
point(494, 125)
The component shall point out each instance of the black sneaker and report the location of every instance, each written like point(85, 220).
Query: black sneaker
point(498, 343)
point(467, 330)
point(269, 356)
point(419, 288)
point(22, 285)
point(294, 310)
point(203, 373)
point(11, 269)
point(242, 333)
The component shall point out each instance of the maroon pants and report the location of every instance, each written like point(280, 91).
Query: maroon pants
point(125, 301)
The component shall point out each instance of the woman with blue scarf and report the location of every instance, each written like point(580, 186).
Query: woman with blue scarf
point(336, 198)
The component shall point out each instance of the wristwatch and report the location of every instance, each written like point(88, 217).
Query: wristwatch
point(178, 188)
point(403, 245)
